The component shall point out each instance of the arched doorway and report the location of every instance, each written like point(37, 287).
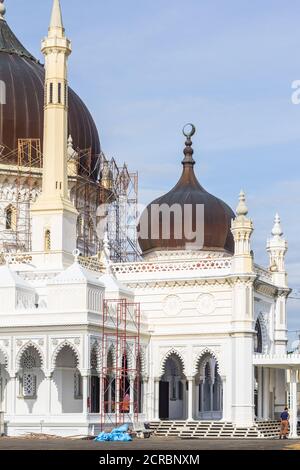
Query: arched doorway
point(173, 390)
point(68, 381)
point(210, 389)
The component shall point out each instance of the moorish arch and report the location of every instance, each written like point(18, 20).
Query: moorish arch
point(67, 379)
point(172, 387)
point(33, 350)
point(96, 357)
point(141, 362)
point(95, 365)
point(209, 387)
point(4, 379)
point(3, 359)
point(172, 352)
point(110, 360)
point(202, 356)
point(65, 345)
point(262, 336)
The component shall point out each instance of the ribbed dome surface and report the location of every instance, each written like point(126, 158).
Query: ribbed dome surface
point(22, 115)
point(188, 191)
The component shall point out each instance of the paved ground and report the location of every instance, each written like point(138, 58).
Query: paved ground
point(154, 443)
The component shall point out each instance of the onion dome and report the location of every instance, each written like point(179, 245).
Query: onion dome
point(22, 110)
point(170, 221)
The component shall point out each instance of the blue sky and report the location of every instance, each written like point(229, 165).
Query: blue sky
point(145, 68)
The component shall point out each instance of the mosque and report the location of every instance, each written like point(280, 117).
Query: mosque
point(190, 331)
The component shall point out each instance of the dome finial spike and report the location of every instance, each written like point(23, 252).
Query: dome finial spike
point(242, 209)
point(188, 131)
point(2, 10)
point(277, 229)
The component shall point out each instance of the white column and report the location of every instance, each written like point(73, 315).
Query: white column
point(13, 394)
point(156, 398)
point(223, 399)
point(85, 392)
point(202, 395)
point(259, 392)
point(190, 399)
point(266, 393)
point(49, 385)
point(293, 398)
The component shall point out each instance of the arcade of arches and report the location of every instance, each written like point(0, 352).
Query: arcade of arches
point(198, 397)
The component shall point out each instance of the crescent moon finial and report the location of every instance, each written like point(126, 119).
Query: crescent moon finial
point(189, 130)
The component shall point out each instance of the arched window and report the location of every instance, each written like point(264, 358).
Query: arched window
point(258, 338)
point(11, 218)
point(66, 95)
point(51, 93)
point(59, 93)
point(47, 241)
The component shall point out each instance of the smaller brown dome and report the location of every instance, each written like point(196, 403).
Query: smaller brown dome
point(174, 231)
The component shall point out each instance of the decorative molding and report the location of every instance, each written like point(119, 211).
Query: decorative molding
point(218, 264)
point(175, 284)
point(172, 305)
point(206, 303)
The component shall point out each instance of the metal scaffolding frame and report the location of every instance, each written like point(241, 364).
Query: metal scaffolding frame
point(91, 185)
point(120, 377)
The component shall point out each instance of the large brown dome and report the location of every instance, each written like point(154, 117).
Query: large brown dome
point(22, 115)
point(188, 191)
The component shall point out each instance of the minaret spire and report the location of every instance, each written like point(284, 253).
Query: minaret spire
point(2, 10)
point(56, 22)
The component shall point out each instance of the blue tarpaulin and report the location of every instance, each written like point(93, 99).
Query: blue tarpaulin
point(118, 434)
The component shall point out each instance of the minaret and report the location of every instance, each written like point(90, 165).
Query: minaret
point(242, 319)
point(277, 247)
point(53, 215)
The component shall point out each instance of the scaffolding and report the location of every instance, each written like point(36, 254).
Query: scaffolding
point(94, 181)
point(120, 377)
point(20, 171)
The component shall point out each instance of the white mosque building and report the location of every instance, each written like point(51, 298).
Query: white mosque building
point(211, 343)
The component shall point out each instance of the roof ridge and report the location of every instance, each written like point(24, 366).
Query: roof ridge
point(10, 43)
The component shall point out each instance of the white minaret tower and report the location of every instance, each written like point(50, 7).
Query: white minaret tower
point(277, 248)
point(242, 320)
point(53, 215)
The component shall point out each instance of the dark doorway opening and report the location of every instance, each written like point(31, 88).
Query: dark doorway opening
point(95, 394)
point(163, 400)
